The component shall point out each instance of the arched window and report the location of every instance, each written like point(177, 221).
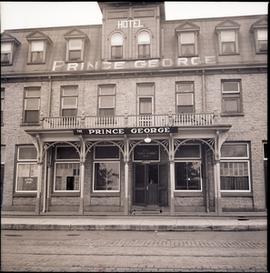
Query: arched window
point(144, 45)
point(117, 42)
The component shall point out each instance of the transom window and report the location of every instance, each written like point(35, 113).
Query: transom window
point(69, 100)
point(144, 45)
point(31, 104)
point(75, 50)
point(106, 169)
point(235, 167)
point(231, 97)
point(6, 53)
point(106, 100)
point(117, 42)
point(37, 51)
point(187, 44)
point(27, 169)
point(185, 97)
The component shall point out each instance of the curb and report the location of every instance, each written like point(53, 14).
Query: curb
point(135, 227)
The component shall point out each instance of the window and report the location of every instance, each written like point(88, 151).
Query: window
point(184, 97)
point(27, 169)
point(187, 44)
point(261, 40)
point(2, 105)
point(106, 100)
point(66, 152)
point(188, 168)
point(234, 167)
point(31, 105)
point(67, 176)
point(144, 45)
point(69, 100)
point(231, 97)
point(6, 53)
point(106, 169)
point(75, 50)
point(117, 42)
point(37, 51)
point(228, 42)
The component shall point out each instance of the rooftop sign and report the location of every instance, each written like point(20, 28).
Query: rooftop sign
point(139, 64)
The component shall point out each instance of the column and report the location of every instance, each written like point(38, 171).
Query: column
point(39, 181)
point(218, 207)
point(126, 170)
point(172, 174)
point(44, 198)
point(82, 170)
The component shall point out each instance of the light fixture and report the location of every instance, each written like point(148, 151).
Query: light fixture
point(147, 139)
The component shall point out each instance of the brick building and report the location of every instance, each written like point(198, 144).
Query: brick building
point(136, 115)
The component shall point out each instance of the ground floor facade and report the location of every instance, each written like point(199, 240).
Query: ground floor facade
point(197, 171)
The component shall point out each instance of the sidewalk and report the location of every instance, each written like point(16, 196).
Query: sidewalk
point(134, 223)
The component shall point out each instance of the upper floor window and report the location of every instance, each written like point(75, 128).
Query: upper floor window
point(31, 105)
point(231, 96)
point(187, 44)
point(144, 42)
point(184, 97)
point(117, 42)
point(37, 52)
point(69, 100)
point(228, 42)
point(6, 53)
point(227, 32)
point(106, 100)
point(75, 50)
point(2, 104)
point(261, 40)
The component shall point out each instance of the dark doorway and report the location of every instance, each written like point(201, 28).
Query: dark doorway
point(149, 188)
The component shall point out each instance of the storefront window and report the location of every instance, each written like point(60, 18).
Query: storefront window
point(27, 169)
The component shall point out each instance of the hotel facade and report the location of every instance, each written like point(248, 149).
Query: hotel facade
point(137, 115)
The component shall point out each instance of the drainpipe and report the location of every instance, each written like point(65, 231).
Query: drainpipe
point(203, 92)
point(49, 96)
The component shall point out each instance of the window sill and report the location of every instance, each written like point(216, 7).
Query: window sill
point(3, 64)
point(261, 53)
point(72, 62)
point(188, 56)
point(24, 194)
point(36, 63)
point(188, 194)
point(65, 194)
point(229, 54)
point(105, 194)
point(236, 194)
point(232, 114)
point(30, 124)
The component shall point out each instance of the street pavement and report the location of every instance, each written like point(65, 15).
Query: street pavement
point(133, 251)
point(133, 223)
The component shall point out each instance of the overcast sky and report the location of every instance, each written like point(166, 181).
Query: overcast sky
point(16, 15)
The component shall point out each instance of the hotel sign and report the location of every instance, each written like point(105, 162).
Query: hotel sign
point(122, 131)
point(136, 23)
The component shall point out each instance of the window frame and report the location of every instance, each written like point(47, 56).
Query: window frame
point(11, 53)
point(30, 51)
point(144, 45)
point(109, 159)
point(238, 160)
point(68, 60)
point(120, 45)
point(23, 162)
point(109, 95)
point(236, 42)
point(181, 92)
point(180, 44)
point(192, 158)
point(230, 95)
point(75, 87)
point(68, 159)
point(141, 161)
point(30, 88)
point(65, 161)
point(257, 48)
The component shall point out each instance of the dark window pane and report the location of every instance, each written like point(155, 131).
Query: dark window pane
point(74, 55)
point(146, 152)
point(185, 109)
point(67, 153)
point(117, 52)
point(265, 150)
point(69, 112)
point(27, 153)
point(234, 183)
point(106, 152)
point(144, 51)
point(31, 116)
point(37, 57)
point(106, 112)
point(188, 151)
point(228, 47)
point(230, 86)
point(262, 46)
point(5, 57)
point(188, 50)
point(231, 104)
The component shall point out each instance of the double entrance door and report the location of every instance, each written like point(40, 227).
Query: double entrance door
point(150, 185)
